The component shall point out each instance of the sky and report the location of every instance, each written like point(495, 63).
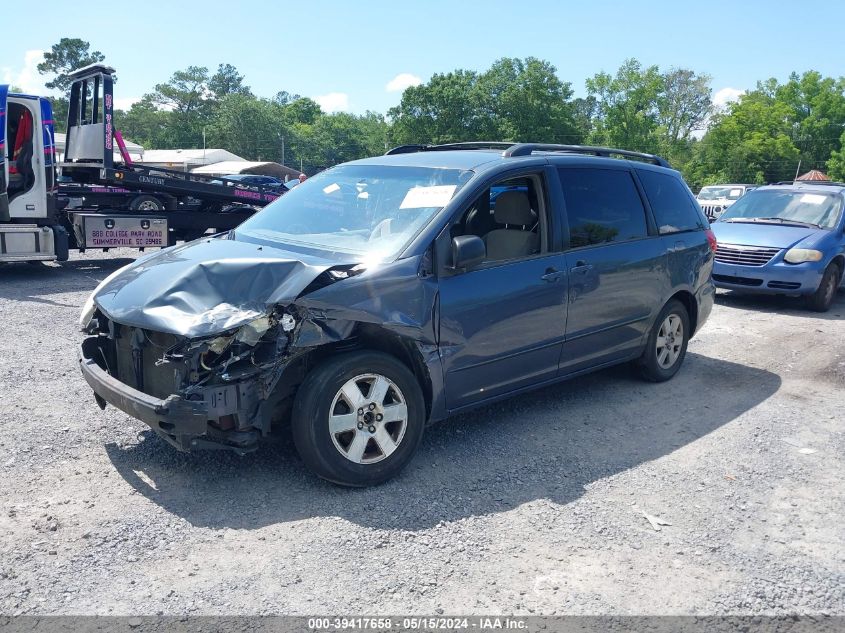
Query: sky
point(359, 56)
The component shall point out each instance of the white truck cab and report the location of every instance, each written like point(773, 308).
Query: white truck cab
point(28, 231)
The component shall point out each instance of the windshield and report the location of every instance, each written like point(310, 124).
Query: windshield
point(718, 192)
point(817, 209)
point(358, 209)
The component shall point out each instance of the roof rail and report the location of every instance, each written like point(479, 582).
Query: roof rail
point(823, 183)
point(410, 149)
point(526, 149)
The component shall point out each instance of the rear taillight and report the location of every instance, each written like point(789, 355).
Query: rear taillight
point(711, 239)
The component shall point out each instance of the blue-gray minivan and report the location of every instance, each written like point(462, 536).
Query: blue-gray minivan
point(387, 293)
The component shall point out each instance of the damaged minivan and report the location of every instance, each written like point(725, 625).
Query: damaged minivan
point(391, 292)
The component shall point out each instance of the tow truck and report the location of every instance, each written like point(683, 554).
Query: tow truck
point(43, 215)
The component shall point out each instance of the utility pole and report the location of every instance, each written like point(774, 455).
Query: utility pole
point(283, 150)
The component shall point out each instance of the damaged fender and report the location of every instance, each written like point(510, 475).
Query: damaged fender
point(237, 314)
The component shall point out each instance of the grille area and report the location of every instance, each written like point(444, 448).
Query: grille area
point(712, 210)
point(158, 381)
point(784, 285)
point(745, 255)
point(738, 281)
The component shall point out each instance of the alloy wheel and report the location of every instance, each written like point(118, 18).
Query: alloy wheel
point(368, 418)
point(670, 340)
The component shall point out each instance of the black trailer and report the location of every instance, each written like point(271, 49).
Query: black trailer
point(109, 204)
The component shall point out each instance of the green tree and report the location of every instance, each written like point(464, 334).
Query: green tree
point(146, 124)
point(248, 126)
point(583, 112)
point(301, 110)
point(185, 92)
point(817, 114)
point(336, 138)
point(836, 164)
point(514, 100)
point(525, 100)
point(444, 110)
point(227, 81)
point(683, 105)
point(283, 97)
point(751, 142)
point(68, 55)
point(627, 113)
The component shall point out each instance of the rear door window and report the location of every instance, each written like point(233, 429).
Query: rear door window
point(602, 205)
point(673, 208)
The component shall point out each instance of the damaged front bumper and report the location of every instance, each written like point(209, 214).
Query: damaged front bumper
point(185, 423)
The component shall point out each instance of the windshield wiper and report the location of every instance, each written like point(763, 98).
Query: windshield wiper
point(788, 221)
point(772, 221)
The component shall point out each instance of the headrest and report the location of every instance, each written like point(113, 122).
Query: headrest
point(513, 207)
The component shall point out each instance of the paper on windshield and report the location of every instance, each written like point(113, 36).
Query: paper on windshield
point(331, 188)
point(423, 197)
point(813, 198)
point(735, 192)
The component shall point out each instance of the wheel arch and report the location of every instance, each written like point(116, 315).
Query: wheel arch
point(365, 337)
point(688, 300)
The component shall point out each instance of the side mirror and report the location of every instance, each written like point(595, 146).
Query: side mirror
point(467, 251)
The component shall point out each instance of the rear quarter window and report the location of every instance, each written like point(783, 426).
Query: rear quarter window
point(671, 202)
point(602, 205)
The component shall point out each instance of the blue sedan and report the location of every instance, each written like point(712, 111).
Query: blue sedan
point(784, 239)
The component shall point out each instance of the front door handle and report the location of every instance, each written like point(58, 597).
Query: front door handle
point(581, 268)
point(551, 275)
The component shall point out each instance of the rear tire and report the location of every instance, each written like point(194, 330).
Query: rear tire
point(146, 203)
point(358, 418)
point(667, 344)
point(822, 298)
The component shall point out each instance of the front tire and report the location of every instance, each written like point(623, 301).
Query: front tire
point(358, 418)
point(667, 344)
point(822, 298)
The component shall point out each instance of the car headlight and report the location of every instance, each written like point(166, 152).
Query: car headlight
point(89, 306)
point(801, 255)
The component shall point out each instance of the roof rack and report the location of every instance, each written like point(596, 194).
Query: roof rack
point(410, 149)
point(526, 149)
point(811, 182)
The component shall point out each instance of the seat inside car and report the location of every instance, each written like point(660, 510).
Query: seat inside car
point(518, 238)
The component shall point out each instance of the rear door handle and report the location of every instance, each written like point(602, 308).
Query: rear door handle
point(551, 275)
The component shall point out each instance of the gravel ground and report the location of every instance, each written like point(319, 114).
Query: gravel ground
point(532, 506)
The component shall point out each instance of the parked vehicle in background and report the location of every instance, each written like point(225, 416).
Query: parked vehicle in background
point(714, 199)
point(96, 201)
point(784, 239)
point(256, 179)
point(389, 292)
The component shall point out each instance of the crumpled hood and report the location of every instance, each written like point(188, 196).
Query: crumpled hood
point(768, 235)
point(206, 287)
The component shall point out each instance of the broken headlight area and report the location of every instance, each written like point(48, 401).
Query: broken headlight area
point(256, 346)
point(223, 380)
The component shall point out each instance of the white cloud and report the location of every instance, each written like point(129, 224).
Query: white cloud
point(402, 81)
point(124, 103)
point(26, 77)
point(333, 101)
point(726, 95)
